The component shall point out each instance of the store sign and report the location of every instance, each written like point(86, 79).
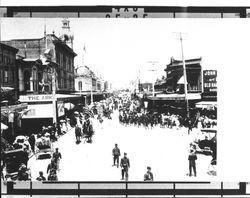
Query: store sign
point(210, 81)
point(35, 98)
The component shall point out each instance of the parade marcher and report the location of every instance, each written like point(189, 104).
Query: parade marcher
point(51, 166)
point(41, 177)
point(148, 175)
point(125, 165)
point(116, 155)
point(192, 157)
point(57, 156)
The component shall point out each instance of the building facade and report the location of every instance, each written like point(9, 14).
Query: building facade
point(8, 72)
point(83, 79)
point(175, 79)
point(38, 58)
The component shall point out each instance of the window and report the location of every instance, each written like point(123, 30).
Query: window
point(65, 80)
point(64, 62)
point(58, 58)
point(13, 74)
point(61, 60)
point(6, 76)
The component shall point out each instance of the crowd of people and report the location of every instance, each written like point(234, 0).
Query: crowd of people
point(131, 113)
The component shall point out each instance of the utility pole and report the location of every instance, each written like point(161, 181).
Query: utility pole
point(54, 94)
point(153, 81)
point(154, 70)
point(184, 73)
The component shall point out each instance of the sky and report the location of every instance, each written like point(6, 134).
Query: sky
point(120, 50)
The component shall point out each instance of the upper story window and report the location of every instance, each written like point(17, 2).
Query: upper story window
point(6, 76)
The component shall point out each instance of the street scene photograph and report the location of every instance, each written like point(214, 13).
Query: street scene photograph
point(110, 99)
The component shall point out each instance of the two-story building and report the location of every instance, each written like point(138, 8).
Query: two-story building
point(36, 57)
point(11, 111)
point(45, 77)
point(8, 73)
point(170, 93)
point(88, 84)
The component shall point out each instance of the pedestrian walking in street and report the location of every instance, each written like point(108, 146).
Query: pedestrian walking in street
point(125, 165)
point(192, 157)
point(189, 126)
point(57, 156)
point(41, 177)
point(148, 175)
point(78, 134)
point(116, 155)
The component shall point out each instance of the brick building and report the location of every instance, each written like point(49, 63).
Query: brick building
point(8, 72)
point(36, 57)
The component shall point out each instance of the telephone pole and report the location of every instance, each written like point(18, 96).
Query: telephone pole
point(184, 73)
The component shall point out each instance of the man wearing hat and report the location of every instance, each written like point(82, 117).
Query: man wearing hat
point(57, 156)
point(125, 165)
point(192, 157)
point(116, 155)
point(149, 175)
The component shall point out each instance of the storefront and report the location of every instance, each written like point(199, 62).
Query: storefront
point(11, 117)
point(44, 110)
point(173, 103)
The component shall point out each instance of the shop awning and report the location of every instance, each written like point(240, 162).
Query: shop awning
point(190, 96)
point(206, 104)
point(13, 108)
